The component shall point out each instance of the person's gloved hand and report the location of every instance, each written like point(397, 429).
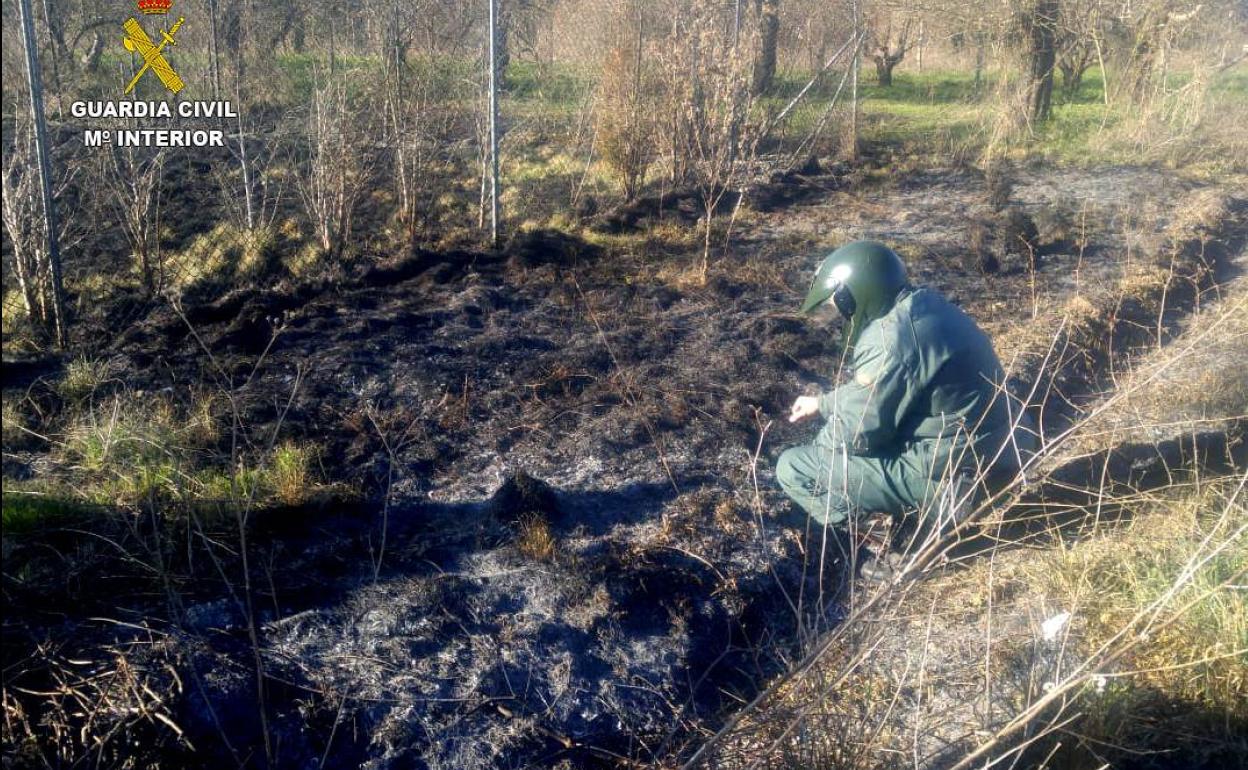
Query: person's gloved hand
point(803, 407)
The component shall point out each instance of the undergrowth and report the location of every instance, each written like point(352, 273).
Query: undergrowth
point(1190, 669)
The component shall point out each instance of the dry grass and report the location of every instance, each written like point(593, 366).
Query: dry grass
point(1076, 655)
point(535, 539)
point(83, 376)
point(1105, 322)
point(12, 422)
point(116, 713)
point(290, 473)
point(1202, 388)
point(224, 254)
point(1197, 659)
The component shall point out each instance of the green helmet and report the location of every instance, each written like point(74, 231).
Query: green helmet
point(862, 279)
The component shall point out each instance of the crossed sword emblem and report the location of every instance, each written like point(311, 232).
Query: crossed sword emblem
point(136, 40)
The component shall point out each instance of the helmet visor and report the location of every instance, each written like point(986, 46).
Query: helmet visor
point(844, 301)
point(829, 282)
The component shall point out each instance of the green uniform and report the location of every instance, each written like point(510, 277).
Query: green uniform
point(925, 403)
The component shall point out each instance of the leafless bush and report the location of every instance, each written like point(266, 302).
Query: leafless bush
point(707, 78)
point(624, 104)
point(481, 136)
point(23, 222)
point(1008, 121)
point(1151, 33)
point(332, 178)
point(253, 195)
point(133, 178)
point(1165, 113)
point(414, 130)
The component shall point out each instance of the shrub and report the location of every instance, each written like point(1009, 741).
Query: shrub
point(623, 112)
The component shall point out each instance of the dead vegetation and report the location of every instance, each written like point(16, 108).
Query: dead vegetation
point(654, 553)
point(117, 711)
point(324, 481)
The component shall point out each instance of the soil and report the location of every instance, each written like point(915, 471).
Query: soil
point(468, 398)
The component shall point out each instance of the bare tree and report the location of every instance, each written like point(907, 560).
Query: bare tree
point(888, 43)
point(1152, 33)
point(708, 79)
point(1079, 32)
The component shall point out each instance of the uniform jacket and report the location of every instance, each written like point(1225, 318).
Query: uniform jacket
point(926, 380)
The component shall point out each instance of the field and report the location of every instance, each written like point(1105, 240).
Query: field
point(407, 500)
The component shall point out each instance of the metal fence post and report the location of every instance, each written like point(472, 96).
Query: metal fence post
point(494, 123)
point(45, 168)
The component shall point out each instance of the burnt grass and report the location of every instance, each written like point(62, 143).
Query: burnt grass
point(462, 401)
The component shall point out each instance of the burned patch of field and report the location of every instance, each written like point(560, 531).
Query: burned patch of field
point(544, 528)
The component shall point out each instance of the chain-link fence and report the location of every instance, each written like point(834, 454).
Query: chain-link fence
point(359, 138)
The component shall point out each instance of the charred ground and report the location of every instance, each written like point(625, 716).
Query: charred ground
point(540, 525)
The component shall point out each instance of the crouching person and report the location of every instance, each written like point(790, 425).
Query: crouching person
point(922, 420)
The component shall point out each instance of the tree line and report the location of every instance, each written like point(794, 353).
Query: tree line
point(340, 99)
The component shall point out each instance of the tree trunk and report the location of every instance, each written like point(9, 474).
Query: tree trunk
point(1042, 33)
point(769, 32)
point(1072, 77)
point(884, 70)
point(979, 60)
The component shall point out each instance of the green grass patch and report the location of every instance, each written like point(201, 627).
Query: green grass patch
point(82, 377)
point(558, 86)
point(27, 508)
point(945, 112)
point(931, 88)
point(132, 451)
point(1179, 557)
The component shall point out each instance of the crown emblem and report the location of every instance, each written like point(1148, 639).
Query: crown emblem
point(155, 6)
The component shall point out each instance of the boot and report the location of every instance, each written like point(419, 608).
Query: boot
point(882, 568)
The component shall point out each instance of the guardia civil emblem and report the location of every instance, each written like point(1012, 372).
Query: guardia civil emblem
point(136, 40)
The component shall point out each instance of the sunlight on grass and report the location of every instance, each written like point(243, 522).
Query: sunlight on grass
point(290, 472)
point(82, 376)
point(1188, 666)
point(942, 112)
point(1199, 657)
point(30, 508)
point(131, 451)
